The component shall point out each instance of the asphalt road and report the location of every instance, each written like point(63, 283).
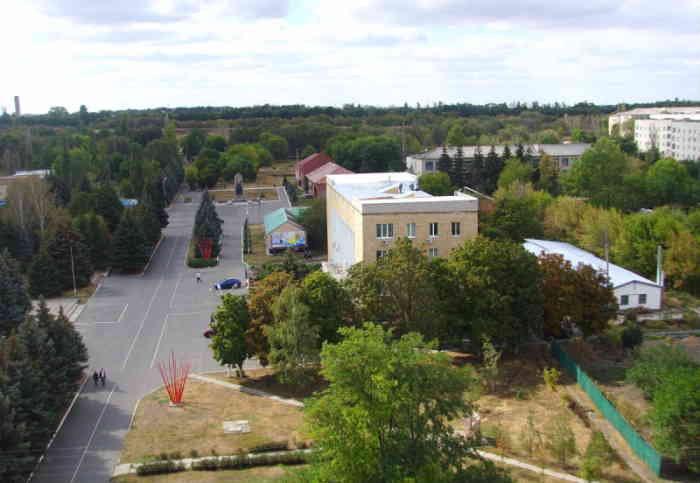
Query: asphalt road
point(129, 325)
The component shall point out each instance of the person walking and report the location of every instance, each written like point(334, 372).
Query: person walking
point(198, 277)
point(95, 377)
point(103, 376)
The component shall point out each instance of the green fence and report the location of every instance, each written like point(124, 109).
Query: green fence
point(645, 452)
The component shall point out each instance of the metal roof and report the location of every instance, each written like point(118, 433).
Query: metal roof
point(277, 218)
point(319, 174)
point(618, 276)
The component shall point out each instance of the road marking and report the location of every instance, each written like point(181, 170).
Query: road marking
point(162, 333)
point(122, 314)
point(177, 314)
point(172, 299)
point(143, 322)
point(92, 435)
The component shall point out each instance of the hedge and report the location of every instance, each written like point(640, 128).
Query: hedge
point(246, 461)
point(159, 468)
point(195, 262)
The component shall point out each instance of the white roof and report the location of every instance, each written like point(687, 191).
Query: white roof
point(468, 152)
point(365, 190)
point(618, 276)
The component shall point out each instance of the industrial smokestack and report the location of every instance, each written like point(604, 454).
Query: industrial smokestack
point(18, 112)
point(659, 266)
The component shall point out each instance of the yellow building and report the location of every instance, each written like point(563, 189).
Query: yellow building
point(367, 212)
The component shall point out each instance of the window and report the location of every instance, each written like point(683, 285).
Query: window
point(385, 230)
point(430, 165)
point(411, 230)
point(456, 228)
point(380, 254)
point(432, 252)
point(434, 229)
point(642, 298)
point(624, 300)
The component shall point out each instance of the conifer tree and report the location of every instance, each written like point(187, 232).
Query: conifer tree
point(492, 170)
point(43, 276)
point(108, 206)
point(66, 248)
point(95, 233)
point(129, 251)
point(457, 174)
point(14, 299)
point(520, 151)
point(148, 221)
point(477, 171)
point(506, 154)
point(14, 456)
point(445, 162)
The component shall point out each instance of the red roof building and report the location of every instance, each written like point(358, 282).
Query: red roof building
point(317, 178)
point(309, 164)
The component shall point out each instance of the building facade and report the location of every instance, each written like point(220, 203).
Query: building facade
point(367, 212)
point(564, 154)
point(623, 122)
point(283, 230)
point(309, 164)
point(316, 180)
point(678, 139)
point(631, 290)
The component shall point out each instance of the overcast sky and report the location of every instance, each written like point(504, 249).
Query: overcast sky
point(113, 54)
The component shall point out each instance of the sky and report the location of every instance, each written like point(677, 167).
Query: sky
point(168, 53)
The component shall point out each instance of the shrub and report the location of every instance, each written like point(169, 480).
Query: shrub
point(194, 453)
point(202, 262)
point(246, 461)
point(159, 468)
point(551, 377)
point(269, 446)
point(632, 336)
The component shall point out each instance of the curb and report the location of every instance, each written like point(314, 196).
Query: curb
point(155, 249)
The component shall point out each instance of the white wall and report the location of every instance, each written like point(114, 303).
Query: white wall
point(633, 289)
point(342, 253)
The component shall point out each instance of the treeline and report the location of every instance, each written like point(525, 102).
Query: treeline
point(42, 358)
point(63, 226)
point(60, 116)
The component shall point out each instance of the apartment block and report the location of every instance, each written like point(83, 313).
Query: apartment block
point(678, 139)
point(367, 212)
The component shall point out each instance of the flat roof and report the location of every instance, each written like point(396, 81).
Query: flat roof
point(618, 275)
point(374, 192)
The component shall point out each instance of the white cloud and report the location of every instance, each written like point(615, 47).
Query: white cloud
point(243, 52)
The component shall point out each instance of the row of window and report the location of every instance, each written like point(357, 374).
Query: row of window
point(625, 299)
point(432, 252)
point(386, 230)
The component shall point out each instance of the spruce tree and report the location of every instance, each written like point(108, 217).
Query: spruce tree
point(457, 174)
point(492, 170)
point(506, 154)
point(66, 248)
point(14, 299)
point(477, 171)
point(445, 162)
point(129, 252)
point(15, 460)
point(95, 233)
point(148, 221)
point(520, 151)
point(108, 206)
point(44, 279)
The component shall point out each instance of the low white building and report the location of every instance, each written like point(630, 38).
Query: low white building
point(564, 154)
point(632, 290)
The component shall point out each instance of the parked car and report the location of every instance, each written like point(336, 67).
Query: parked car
point(228, 284)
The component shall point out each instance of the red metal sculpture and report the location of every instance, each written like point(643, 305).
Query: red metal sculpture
point(174, 378)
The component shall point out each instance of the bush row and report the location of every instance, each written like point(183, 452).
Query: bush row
point(194, 262)
point(159, 468)
point(245, 461)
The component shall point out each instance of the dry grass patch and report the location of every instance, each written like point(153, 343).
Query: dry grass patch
point(258, 254)
point(260, 193)
point(196, 426)
point(253, 475)
point(521, 392)
point(265, 380)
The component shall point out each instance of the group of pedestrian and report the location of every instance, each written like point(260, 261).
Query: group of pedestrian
point(99, 377)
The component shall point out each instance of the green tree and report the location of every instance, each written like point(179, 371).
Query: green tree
point(530, 436)
point(217, 143)
point(599, 174)
point(107, 205)
point(95, 232)
point(514, 171)
point(560, 439)
point(277, 145)
point(437, 184)
point(147, 219)
point(70, 255)
point(675, 415)
point(43, 276)
point(263, 295)
point(498, 292)
point(129, 250)
point(16, 461)
point(230, 323)
point(493, 165)
point(293, 338)
point(445, 162)
point(578, 296)
point(385, 415)
point(193, 143)
point(563, 218)
point(307, 151)
point(490, 357)
point(518, 214)
point(328, 302)
point(655, 364)
point(548, 170)
point(14, 299)
point(682, 261)
point(668, 182)
point(455, 136)
point(314, 222)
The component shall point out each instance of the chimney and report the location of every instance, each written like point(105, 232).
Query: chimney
point(659, 266)
point(18, 112)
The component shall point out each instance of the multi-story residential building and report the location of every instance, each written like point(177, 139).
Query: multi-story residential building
point(367, 212)
point(624, 126)
point(564, 154)
point(679, 139)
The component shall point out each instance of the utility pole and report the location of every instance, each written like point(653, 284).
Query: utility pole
point(607, 254)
